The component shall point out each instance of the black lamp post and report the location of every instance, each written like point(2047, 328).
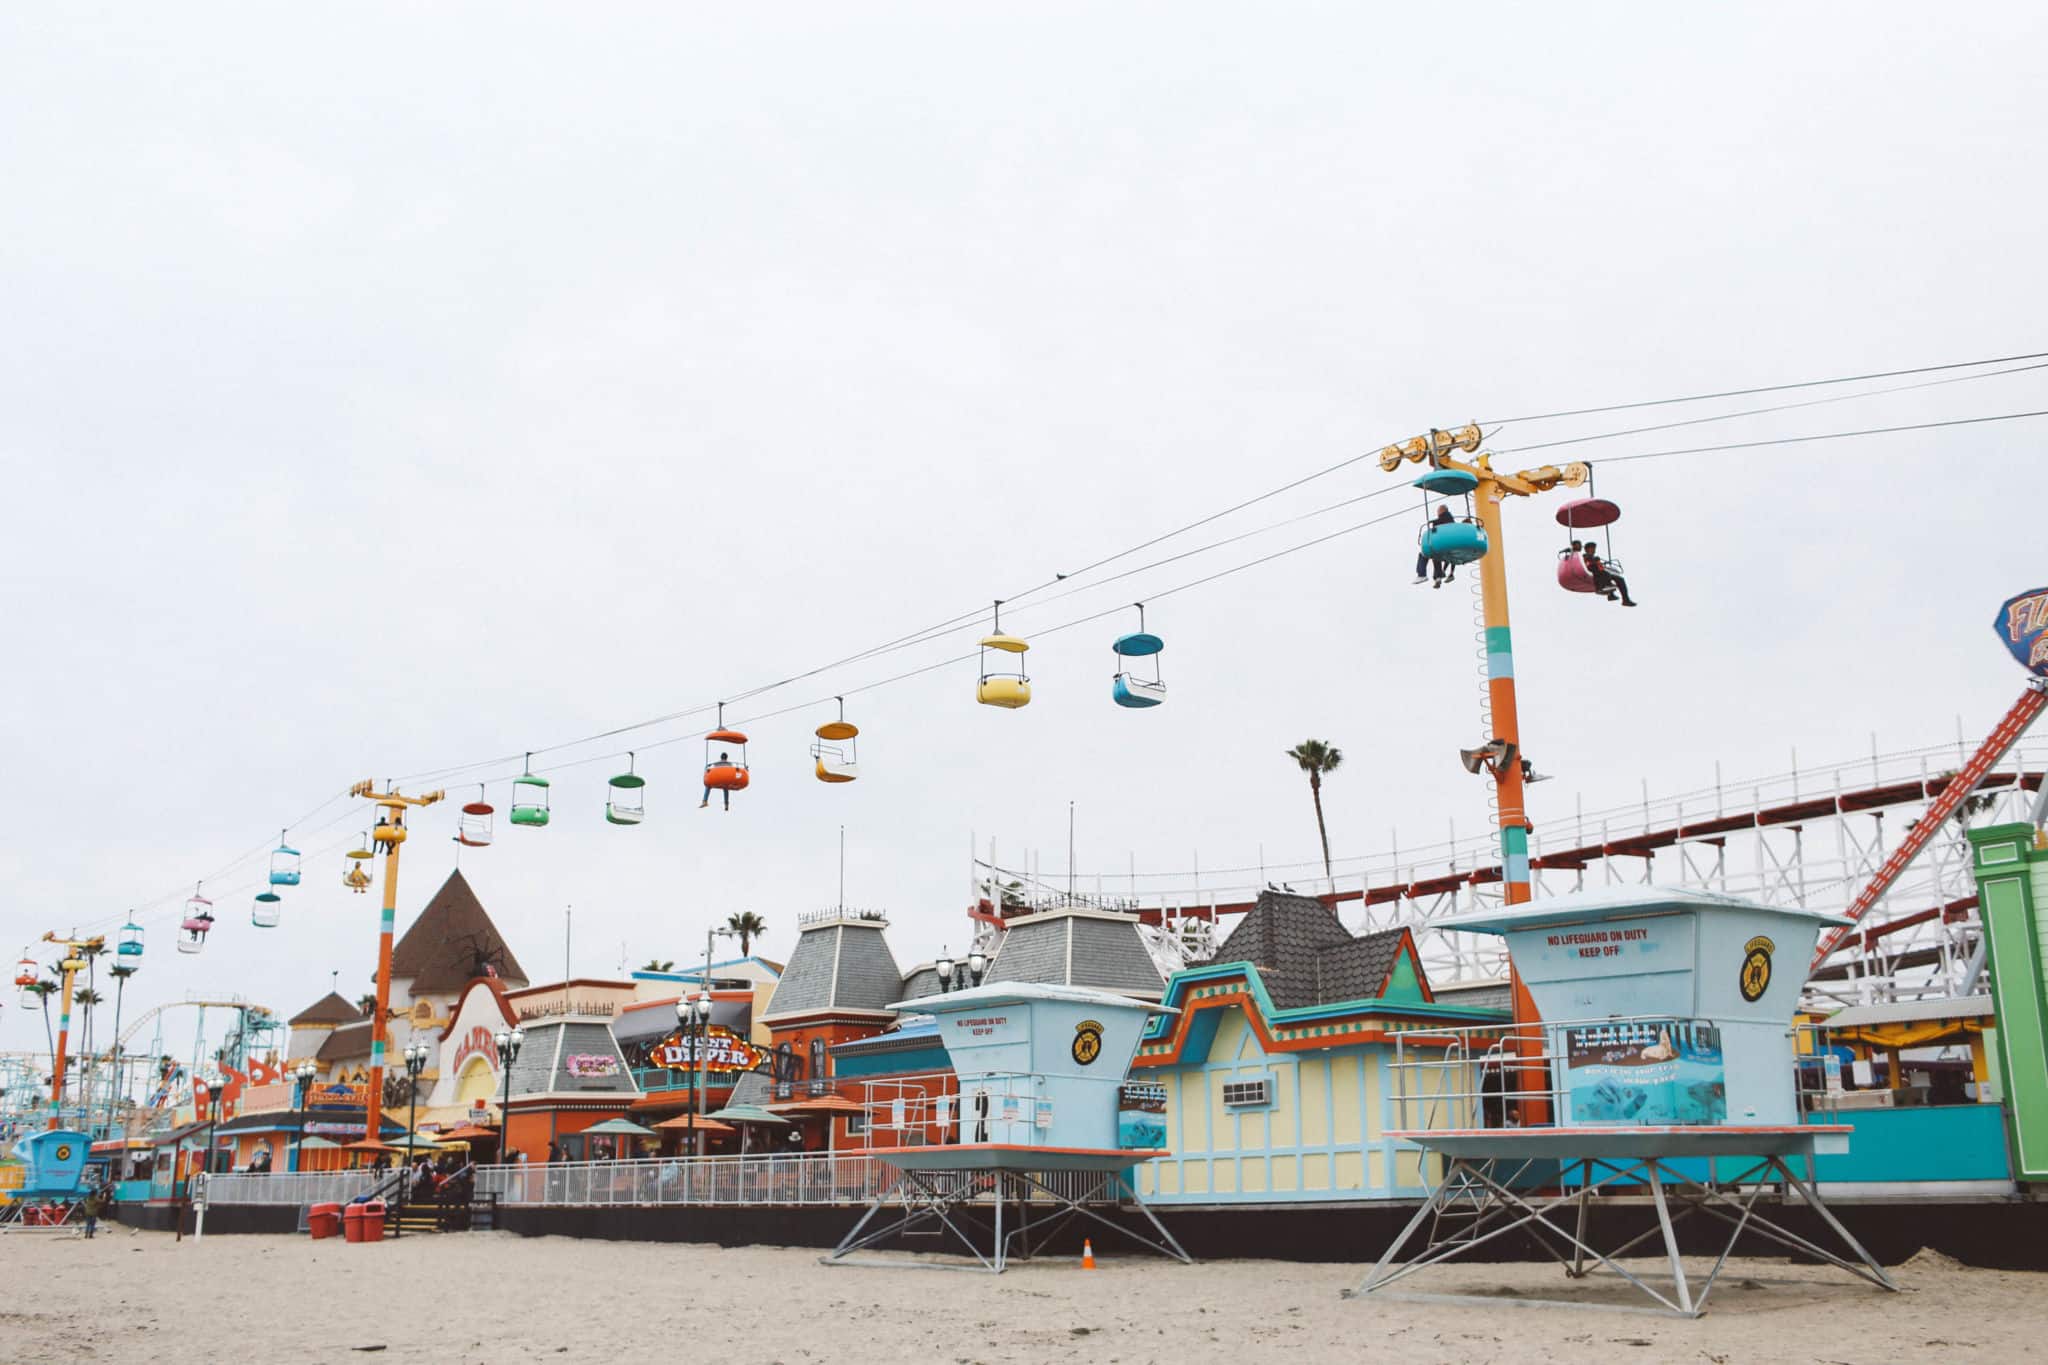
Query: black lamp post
point(415, 1062)
point(694, 1015)
point(302, 1091)
point(509, 1042)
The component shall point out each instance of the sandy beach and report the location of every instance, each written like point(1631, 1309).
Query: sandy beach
point(484, 1298)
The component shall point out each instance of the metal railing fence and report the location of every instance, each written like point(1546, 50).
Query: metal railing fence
point(815, 1178)
point(291, 1187)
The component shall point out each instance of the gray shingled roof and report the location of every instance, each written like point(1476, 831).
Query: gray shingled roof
point(921, 982)
point(1306, 956)
point(838, 964)
point(1063, 948)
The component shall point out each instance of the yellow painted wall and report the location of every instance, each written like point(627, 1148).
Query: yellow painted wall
point(1321, 1135)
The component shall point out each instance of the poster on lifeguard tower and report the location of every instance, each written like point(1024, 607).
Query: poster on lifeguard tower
point(1657, 1071)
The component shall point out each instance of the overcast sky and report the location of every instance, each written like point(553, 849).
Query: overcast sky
point(391, 389)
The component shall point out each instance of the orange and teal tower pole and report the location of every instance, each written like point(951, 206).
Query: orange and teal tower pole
point(1439, 450)
point(388, 835)
point(70, 966)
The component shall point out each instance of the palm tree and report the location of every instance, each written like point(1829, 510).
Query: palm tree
point(748, 926)
point(368, 1005)
point(85, 998)
point(656, 964)
point(1317, 757)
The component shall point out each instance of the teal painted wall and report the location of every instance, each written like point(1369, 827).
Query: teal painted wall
point(1945, 1142)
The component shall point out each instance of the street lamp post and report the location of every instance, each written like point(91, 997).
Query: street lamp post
point(302, 1090)
point(704, 1031)
point(694, 1014)
point(508, 1041)
point(214, 1096)
point(415, 1062)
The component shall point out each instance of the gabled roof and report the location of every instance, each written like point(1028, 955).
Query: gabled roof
point(841, 963)
point(1073, 947)
point(329, 1009)
point(439, 952)
point(1305, 956)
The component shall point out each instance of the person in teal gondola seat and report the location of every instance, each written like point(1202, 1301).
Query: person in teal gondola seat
point(1424, 565)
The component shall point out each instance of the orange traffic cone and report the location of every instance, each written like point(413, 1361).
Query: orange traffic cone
point(1087, 1254)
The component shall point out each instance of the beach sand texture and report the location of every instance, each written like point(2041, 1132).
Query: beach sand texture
point(485, 1298)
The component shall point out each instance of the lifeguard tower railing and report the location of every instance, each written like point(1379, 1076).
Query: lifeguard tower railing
point(1505, 1075)
point(1000, 1107)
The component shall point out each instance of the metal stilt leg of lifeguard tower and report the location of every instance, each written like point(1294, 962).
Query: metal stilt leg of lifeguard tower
point(1675, 1197)
point(954, 1199)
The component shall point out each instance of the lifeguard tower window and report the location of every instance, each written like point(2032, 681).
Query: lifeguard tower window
point(1243, 1094)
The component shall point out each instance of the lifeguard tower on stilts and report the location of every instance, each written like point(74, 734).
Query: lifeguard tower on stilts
point(1037, 1138)
point(1666, 1058)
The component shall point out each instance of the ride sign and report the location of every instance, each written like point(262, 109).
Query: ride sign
point(2023, 625)
point(724, 1050)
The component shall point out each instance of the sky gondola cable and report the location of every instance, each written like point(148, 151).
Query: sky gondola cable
point(1767, 388)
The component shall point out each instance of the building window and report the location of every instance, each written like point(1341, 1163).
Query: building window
point(1246, 1094)
point(856, 1124)
point(818, 1084)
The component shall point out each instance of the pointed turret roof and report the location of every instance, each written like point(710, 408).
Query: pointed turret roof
point(1306, 956)
point(439, 952)
point(329, 1009)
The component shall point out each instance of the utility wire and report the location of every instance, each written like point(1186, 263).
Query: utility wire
point(1825, 436)
point(1767, 388)
point(1777, 407)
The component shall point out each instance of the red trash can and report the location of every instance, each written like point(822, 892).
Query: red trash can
point(373, 1221)
point(324, 1220)
point(352, 1223)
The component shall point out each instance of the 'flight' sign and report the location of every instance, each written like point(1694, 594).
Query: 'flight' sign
point(2023, 626)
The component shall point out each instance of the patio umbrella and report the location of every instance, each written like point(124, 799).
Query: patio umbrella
point(826, 1107)
point(681, 1124)
point(468, 1132)
point(748, 1114)
point(317, 1143)
point(620, 1128)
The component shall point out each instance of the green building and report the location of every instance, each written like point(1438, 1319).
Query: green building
point(2011, 863)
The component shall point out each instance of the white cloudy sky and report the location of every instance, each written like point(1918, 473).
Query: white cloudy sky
point(390, 389)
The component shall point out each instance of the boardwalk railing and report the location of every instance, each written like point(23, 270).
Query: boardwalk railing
point(296, 1188)
point(812, 1178)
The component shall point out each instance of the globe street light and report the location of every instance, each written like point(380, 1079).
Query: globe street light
point(509, 1041)
point(302, 1091)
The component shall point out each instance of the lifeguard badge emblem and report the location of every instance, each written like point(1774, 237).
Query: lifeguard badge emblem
point(1087, 1041)
point(1756, 968)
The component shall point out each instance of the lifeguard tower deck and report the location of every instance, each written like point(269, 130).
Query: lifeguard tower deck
point(1036, 1138)
point(1664, 1063)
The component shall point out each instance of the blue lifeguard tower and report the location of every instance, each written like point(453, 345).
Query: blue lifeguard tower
point(55, 1159)
point(1666, 1037)
point(1039, 1123)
